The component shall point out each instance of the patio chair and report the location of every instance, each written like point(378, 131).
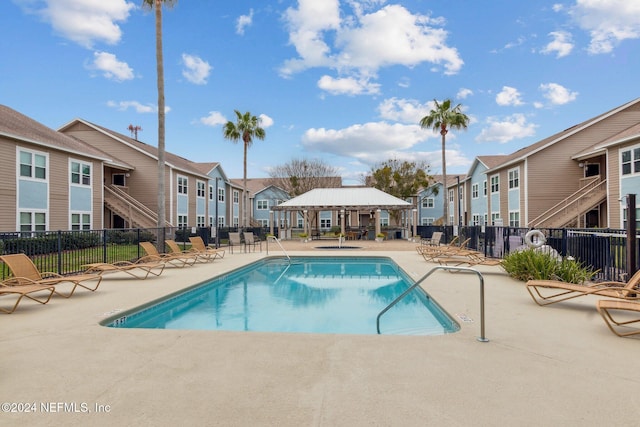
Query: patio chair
point(434, 240)
point(26, 291)
point(175, 259)
point(234, 240)
point(562, 291)
point(197, 244)
point(138, 270)
point(605, 307)
point(251, 241)
point(25, 272)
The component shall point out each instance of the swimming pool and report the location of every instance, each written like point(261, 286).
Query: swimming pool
point(341, 295)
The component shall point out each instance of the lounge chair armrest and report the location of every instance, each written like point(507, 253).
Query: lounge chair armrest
point(49, 275)
point(17, 281)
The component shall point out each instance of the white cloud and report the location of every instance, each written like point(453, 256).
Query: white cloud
point(509, 96)
point(196, 70)
point(87, 21)
point(608, 22)
point(347, 86)
point(404, 110)
point(464, 93)
point(507, 129)
point(110, 67)
point(557, 94)
point(561, 45)
point(360, 44)
point(265, 121)
point(370, 142)
point(214, 118)
point(244, 21)
point(137, 106)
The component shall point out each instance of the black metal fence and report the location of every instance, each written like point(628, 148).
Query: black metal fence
point(65, 252)
point(604, 250)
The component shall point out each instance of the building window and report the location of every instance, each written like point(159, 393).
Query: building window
point(182, 221)
point(451, 195)
point(514, 219)
point(514, 178)
point(80, 221)
point(495, 184)
point(475, 219)
point(427, 221)
point(624, 218)
point(495, 218)
point(428, 202)
point(220, 194)
point(236, 197)
point(484, 188)
point(325, 223)
point(262, 205)
point(33, 221)
point(200, 189)
point(80, 173)
point(220, 221)
point(33, 165)
point(235, 221)
point(211, 192)
point(631, 161)
point(264, 223)
point(200, 221)
point(182, 185)
point(475, 191)
point(486, 218)
point(300, 222)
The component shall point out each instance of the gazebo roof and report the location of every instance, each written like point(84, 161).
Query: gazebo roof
point(348, 198)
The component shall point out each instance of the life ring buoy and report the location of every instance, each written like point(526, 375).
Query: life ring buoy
point(539, 238)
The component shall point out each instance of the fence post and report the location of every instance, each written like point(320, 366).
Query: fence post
point(631, 235)
point(59, 251)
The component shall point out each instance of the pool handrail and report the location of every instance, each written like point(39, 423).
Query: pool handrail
point(279, 244)
point(481, 338)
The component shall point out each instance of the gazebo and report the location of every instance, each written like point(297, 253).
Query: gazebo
point(344, 200)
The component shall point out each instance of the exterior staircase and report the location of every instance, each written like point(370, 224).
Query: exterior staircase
point(592, 193)
point(129, 208)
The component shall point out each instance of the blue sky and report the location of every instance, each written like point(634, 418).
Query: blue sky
point(343, 81)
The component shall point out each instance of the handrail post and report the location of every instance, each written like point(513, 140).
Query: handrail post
point(482, 337)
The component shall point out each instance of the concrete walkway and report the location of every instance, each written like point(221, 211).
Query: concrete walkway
point(556, 365)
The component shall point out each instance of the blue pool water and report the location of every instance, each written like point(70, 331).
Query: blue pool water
point(341, 295)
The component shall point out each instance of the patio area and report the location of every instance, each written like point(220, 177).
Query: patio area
point(556, 365)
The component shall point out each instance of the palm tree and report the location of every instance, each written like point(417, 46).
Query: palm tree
point(157, 6)
point(442, 118)
point(246, 128)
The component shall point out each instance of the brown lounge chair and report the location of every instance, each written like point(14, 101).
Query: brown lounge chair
point(174, 248)
point(203, 250)
point(25, 272)
point(26, 291)
point(617, 326)
point(176, 259)
point(470, 258)
point(562, 291)
point(138, 270)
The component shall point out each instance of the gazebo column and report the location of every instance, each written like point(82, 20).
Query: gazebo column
point(377, 220)
point(271, 217)
point(305, 223)
point(415, 222)
point(342, 220)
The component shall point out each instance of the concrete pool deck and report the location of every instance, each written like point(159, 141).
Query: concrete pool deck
point(556, 365)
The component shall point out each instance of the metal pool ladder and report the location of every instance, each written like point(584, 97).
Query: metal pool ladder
point(481, 338)
point(275, 239)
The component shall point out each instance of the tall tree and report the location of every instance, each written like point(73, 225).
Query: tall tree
point(442, 118)
point(245, 128)
point(301, 175)
point(157, 6)
point(402, 179)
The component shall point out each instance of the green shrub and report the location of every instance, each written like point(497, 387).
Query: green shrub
point(536, 265)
